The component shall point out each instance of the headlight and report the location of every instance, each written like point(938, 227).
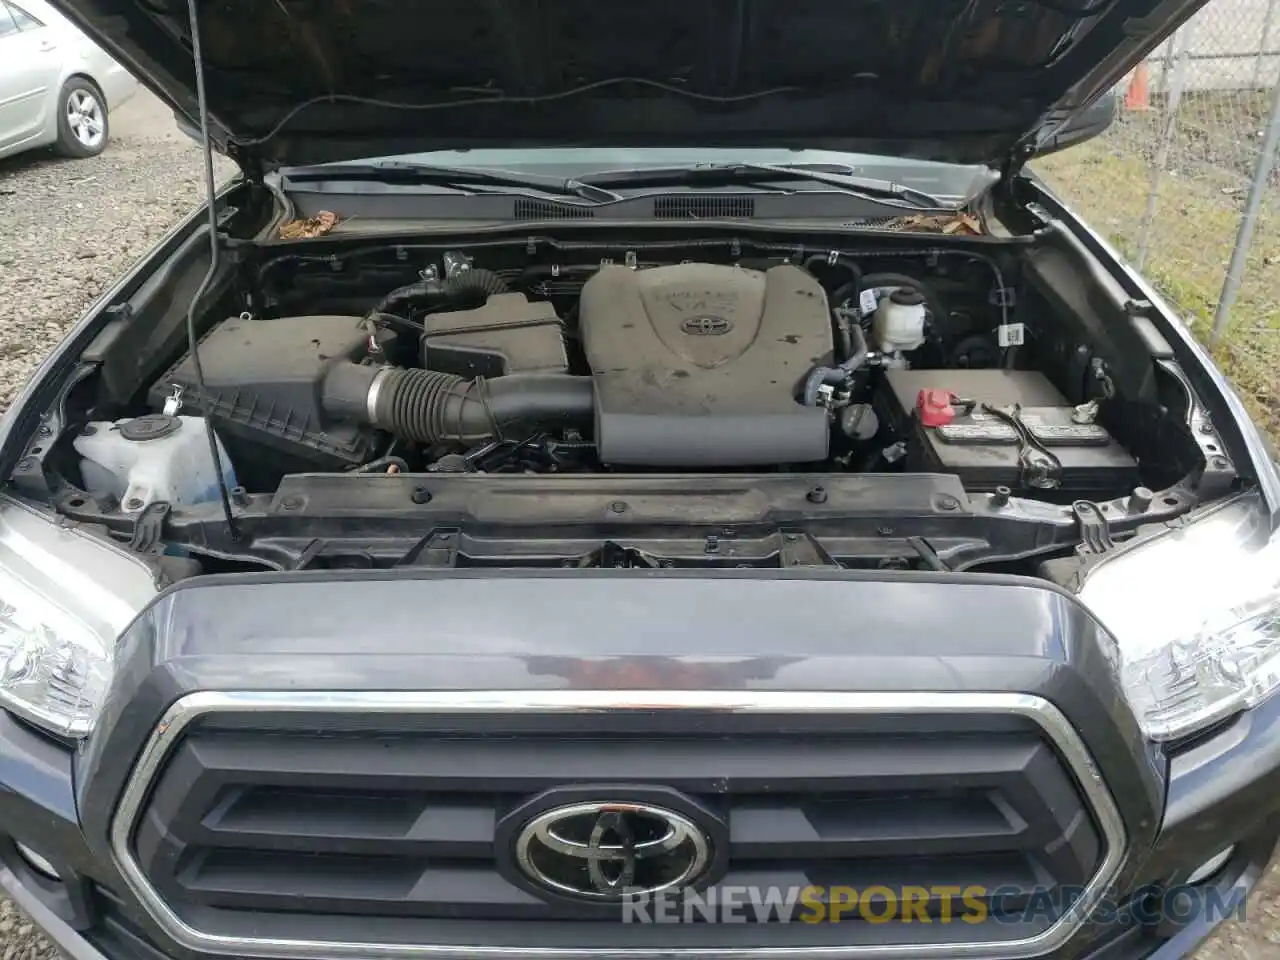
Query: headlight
point(64, 599)
point(1196, 615)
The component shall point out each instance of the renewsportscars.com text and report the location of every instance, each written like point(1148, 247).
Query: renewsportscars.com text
point(937, 904)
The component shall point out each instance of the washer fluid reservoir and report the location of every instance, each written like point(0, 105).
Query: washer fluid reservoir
point(151, 458)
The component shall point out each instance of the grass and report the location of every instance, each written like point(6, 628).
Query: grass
point(1200, 202)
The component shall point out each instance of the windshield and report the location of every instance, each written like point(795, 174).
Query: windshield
point(941, 179)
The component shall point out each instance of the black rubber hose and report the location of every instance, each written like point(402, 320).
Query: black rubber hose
point(839, 263)
point(846, 291)
point(841, 372)
point(398, 301)
point(465, 289)
point(430, 407)
point(858, 354)
point(475, 280)
point(397, 321)
point(846, 338)
point(381, 464)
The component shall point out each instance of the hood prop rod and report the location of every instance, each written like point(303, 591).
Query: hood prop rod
point(193, 342)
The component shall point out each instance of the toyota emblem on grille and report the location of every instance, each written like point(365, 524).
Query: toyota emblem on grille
point(607, 851)
point(706, 326)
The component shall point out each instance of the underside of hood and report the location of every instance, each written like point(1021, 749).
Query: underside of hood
point(308, 81)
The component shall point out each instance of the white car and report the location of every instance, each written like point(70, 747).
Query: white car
point(57, 87)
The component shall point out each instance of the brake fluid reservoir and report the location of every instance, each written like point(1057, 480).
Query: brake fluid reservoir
point(899, 321)
point(151, 458)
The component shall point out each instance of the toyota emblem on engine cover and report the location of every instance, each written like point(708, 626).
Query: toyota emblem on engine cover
point(607, 851)
point(706, 326)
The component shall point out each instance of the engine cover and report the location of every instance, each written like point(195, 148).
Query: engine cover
point(699, 365)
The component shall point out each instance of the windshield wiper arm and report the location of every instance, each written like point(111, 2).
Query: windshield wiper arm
point(755, 174)
point(400, 171)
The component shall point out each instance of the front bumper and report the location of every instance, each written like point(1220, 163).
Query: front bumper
point(316, 633)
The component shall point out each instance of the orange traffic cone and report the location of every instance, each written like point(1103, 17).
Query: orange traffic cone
point(1138, 96)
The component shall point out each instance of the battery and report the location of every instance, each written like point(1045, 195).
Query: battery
point(984, 449)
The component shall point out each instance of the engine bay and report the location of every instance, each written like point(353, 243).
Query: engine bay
point(982, 366)
point(679, 366)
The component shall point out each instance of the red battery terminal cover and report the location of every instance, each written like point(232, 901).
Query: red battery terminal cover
point(935, 407)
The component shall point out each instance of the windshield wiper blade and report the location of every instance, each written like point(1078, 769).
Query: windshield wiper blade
point(755, 174)
point(401, 171)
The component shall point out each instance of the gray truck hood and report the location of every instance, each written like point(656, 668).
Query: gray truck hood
point(306, 81)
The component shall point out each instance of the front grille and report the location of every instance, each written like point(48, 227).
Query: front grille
point(315, 818)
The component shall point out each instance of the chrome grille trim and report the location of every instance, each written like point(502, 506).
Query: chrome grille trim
point(187, 709)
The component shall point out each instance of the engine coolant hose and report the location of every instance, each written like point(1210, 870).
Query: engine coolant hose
point(427, 406)
point(842, 371)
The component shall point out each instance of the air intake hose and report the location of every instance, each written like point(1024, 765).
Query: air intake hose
point(465, 289)
point(428, 406)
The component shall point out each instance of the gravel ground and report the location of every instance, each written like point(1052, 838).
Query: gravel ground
point(68, 228)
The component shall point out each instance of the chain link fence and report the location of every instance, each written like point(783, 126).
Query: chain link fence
point(1185, 184)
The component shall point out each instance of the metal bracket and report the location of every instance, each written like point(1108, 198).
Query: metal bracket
point(1012, 166)
point(1003, 297)
point(1098, 370)
point(173, 402)
point(28, 474)
point(1095, 530)
point(1219, 471)
point(615, 556)
point(1085, 413)
point(236, 250)
point(437, 549)
point(801, 550)
point(148, 529)
point(455, 262)
point(120, 311)
point(1042, 216)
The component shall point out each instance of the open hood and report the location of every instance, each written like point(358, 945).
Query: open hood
point(308, 81)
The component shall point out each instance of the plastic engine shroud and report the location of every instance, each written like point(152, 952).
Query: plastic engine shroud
point(700, 365)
